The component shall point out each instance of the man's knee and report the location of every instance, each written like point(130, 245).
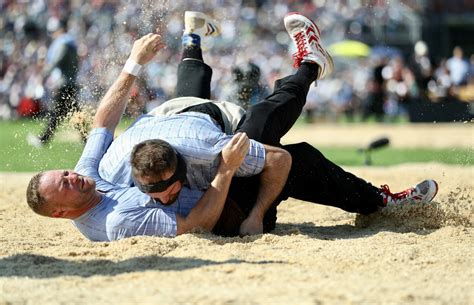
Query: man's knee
point(304, 153)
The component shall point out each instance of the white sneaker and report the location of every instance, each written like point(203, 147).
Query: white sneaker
point(34, 141)
point(306, 36)
point(200, 24)
point(423, 192)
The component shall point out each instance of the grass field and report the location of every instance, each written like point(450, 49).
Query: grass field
point(63, 152)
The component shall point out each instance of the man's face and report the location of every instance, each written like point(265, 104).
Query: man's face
point(66, 191)
point(167, 196)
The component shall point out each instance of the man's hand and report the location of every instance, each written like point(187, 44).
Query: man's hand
point(145, 48)
point(251, 226)
point(234, 152)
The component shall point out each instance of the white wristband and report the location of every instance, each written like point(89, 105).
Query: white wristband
point(131, 67)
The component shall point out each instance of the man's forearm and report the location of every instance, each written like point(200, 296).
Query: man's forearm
point(114, 102)
point(207, 211)
point(272, 181)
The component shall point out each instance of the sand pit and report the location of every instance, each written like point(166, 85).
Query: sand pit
point(316, 255)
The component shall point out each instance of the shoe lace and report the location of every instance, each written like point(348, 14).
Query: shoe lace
point(301, 49)
point(400, 195)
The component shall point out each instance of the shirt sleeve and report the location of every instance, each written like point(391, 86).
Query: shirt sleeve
point(97, 144)
point(254, 160)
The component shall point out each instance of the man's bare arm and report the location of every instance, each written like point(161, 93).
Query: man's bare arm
point(207, 211)
point(113, 104)
point(272, 181)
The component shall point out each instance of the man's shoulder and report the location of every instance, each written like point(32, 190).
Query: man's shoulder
point(117, 202)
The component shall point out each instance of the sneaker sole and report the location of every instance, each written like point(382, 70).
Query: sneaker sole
point(433, 184)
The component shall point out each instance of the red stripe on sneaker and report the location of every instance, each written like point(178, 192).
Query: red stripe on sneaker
point(313, 38)
point(310, 30)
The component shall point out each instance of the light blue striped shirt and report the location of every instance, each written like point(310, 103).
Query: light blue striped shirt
point(196, 136)
point(125, 211)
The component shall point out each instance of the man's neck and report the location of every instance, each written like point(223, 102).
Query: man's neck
point(93, 202)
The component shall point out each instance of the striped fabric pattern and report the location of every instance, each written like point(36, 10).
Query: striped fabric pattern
point(195, 136)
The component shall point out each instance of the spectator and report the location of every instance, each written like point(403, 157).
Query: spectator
point(458, 67)
point(60, 72)
point(376, 98)
point(422, 66)
point(442, 81)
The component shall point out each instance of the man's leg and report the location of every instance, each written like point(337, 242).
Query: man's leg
point(316, 179)
point(194, 76)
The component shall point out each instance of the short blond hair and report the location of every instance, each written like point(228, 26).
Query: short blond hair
point(33, 196)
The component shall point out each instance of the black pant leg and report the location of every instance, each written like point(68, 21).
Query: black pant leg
point(194, 79)
point(316, 179)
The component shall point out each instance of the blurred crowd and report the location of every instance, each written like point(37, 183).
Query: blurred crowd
point(254, 49)
point(384, 86)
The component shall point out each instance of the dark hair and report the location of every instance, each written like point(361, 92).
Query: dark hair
point(152, 158)
point(35, 200)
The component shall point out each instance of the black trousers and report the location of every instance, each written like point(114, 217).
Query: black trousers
point(312, 176)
